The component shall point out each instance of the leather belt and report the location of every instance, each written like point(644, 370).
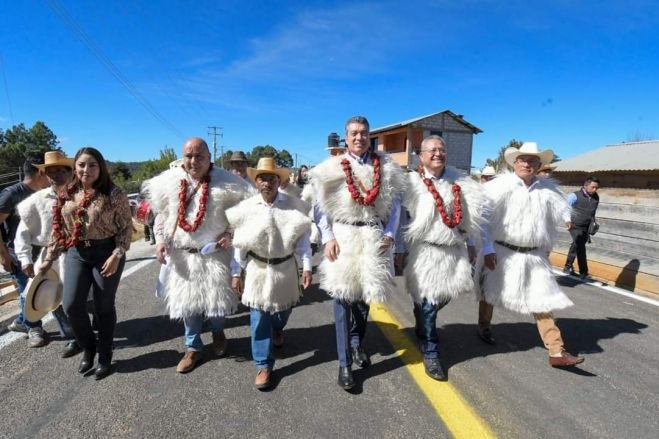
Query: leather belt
point(191, 250)
point(434, 244)
point(269, 261)
point(516, 248)
point(372, 223)
point(86, 243)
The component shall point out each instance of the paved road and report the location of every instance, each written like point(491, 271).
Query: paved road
point(509, 386)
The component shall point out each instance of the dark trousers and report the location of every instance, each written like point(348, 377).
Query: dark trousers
point(350, 325)
point(578, 249)
point(83, 270)
point(425, 317)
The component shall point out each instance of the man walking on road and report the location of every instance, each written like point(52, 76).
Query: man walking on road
point(445, 208)
point(269, 229)
point(584, 204)
point(357, 212)
point(34, 231)
point(526, 210)
point(190, 203)
point(10, 197)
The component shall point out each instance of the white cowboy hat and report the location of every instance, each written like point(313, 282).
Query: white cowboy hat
point(55, 158)
point(44, 294)
point(488, 171)
point(267, 165)
point(528, 148)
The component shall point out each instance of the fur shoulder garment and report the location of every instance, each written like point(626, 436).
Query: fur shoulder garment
point(270, 232)
point(360, 272)
point(36, 211)
point(523, 282)
point(196, 284)
point(438, 267)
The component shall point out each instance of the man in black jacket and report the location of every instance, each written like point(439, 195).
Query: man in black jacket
point(584, 204)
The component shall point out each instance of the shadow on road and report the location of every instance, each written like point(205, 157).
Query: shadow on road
point(146, 331)
point(459, 342)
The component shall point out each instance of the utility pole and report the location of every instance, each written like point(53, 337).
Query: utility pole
point(214, 133)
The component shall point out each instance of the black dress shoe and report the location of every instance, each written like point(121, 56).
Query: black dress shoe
point(87, 361)
point(360, 357)
point(346, 382)
point(72, 348)
point(434, 369)
point(486, 336)
point(102, 370)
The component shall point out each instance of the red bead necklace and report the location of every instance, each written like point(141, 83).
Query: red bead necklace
point(439, 202)
point(78, 222)
point(372, 193)
point(184, 201)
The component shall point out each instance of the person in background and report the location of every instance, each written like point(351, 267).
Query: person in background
point(33, 181)
point(92, 223)
point(546, 171)
point(238, 164)
point(584, 203)
point(302, 176)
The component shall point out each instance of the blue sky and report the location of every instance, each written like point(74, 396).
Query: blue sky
point(131, 77)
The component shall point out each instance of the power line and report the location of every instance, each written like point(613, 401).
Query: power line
point(69, 21)
point(214, 134)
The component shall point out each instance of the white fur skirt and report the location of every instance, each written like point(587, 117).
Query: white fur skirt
point(271, 288)
point(361, 272)
point(199, 285)
point(523, 282)
point(438, 274)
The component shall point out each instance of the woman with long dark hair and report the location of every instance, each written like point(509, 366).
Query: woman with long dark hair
point(302, 176)
point(92, 223)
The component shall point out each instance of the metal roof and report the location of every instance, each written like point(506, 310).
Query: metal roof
point(632, 156)
point(457, 117)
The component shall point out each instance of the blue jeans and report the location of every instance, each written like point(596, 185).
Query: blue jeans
point(193, 325)
point(21, 282)
point(425, 317)
point(350, 320)
point(262, 324)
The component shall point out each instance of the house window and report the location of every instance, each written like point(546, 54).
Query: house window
point(436, 133)
point(374, 144)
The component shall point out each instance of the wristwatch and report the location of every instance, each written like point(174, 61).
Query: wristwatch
point(119, 252)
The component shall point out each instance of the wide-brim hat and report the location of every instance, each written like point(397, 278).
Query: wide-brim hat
point(547, 168)
point(488, 171)
point(238, 156)
point(267, 165)
point(528, 148)
point(44, 294)
point(55, 158)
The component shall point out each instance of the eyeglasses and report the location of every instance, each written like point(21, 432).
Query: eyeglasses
point(528, 160)
point(434, 151)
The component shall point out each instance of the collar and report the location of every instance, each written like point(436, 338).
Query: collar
point(529, 187)
point(362, 159)
point(428, 174)
point(586, 193)
point(278, 199)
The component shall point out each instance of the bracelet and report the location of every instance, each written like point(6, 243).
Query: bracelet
point(119, 252)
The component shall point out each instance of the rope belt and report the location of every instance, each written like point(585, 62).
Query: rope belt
point(372, 223)
point(434, 244)
point(269, 261)
point(516, 248)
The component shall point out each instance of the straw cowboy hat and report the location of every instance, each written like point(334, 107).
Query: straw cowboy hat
point(44, 294)
point(488, 171)
point(266, 165)
point(549, 168)
point(528, 148)
point(55, 158)
point(238, 156)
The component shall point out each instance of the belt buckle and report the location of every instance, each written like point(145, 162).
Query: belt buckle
point(86, 243)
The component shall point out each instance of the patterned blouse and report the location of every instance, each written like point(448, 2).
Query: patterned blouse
point(105, 217)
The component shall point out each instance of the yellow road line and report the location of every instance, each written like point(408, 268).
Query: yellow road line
point(456, 413)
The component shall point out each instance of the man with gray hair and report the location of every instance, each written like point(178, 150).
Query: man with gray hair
point(357, 211)
point(445, 207)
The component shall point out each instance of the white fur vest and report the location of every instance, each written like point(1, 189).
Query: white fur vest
point(270, 232)
point(523, 282)
point(438, 267)
point(196, 284)
point(361, 272)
